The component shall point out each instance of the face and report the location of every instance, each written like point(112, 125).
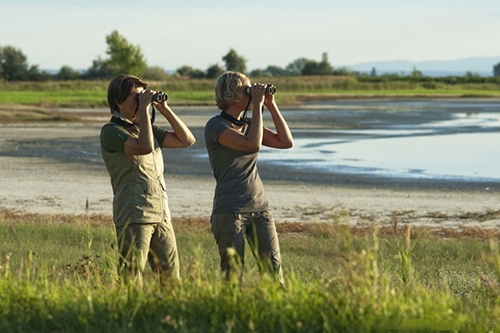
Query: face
point(243, 95)
point(128, 107)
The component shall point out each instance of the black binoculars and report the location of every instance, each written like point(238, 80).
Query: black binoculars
point(159, 97)
point(270, 89)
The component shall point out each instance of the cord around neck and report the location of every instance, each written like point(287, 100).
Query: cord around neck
point(244, 120)
point(233, 120)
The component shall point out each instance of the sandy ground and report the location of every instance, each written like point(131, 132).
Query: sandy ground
point(57, 169)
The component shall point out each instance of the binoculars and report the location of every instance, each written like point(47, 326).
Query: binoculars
point(270, 89)
point(159, 97)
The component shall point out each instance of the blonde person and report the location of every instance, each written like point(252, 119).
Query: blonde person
point(131, 149)
point(240, 207)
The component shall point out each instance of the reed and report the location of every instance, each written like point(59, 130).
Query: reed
point(291, 90)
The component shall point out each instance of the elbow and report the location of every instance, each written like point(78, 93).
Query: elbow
point(189, 141)
point(146, 150)
point(139, 150)
point(253, 148)
point(288, 144)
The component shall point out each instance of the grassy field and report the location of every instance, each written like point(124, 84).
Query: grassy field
point(184, 91)
point(57, 275)
point(33, 101)
point(57, 272)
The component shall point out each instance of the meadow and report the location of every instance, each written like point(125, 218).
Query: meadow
point(58, 274)
point(291, 90)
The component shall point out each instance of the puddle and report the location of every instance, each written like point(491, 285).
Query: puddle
point(439, 156)
point(464, 147)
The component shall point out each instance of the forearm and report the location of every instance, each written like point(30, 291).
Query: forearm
point(143, 143)
point(182, 132)
point(145, 138)
point(282, 130)
point(256, 130)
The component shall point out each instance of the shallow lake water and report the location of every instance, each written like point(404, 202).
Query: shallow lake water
point(436, 139)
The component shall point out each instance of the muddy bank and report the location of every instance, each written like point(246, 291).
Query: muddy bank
point(56, 168)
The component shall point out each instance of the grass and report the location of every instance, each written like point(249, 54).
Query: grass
point(184, 91)
point(57, 272)
point(57, 275)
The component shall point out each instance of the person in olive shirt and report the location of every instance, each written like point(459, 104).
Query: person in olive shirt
point(131, 149)
point(240, 207)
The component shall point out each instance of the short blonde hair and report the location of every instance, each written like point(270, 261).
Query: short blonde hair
point(226, 88)
point(119, 89)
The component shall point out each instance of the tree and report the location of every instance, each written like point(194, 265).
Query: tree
point(311, 68)
point(343, 71)
point(214, 71)
point(314, 68)
point(14, 65)
point(258, 72)
point(297, 66)
point(472, 75)
point(374, 72)
point(124, 58)
point(193, 73)
point(155, 73)
point(234, 62)
point(184, 70)
point(276, 71)
point(496, 70)
point(67, 73)
point(99, 70)
point(197, 74)
point(416, 73)
point(270, 71)
point(324, 66)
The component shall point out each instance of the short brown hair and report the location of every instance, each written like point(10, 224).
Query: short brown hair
point(226, 88)
point(119, 89)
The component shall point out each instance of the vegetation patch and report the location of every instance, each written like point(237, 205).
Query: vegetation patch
point(57, 274)
point(191, 91)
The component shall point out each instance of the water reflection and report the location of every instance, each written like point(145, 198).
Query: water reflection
point(458, 141)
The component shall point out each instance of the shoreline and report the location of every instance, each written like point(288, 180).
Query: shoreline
point(54, 168)
point(50, 189)
point(42, 185)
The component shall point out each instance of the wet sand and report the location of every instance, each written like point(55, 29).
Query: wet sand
point(56, 168)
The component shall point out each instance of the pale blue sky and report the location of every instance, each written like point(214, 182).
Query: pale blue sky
point(274, 32)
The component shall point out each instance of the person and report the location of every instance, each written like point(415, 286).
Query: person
point(240, 207)
point(131, 149)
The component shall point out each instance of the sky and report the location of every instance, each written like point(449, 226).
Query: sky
point(198, 33)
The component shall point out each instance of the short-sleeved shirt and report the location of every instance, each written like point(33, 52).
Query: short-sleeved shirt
point(137, 180)
point(238, 187)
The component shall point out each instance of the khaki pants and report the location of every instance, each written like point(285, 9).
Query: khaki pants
point(152, 242)
point(230, 231)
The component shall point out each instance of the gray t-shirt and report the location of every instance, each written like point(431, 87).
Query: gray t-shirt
point(239, 188)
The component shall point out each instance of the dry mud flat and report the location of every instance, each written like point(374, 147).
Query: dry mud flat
point(56, 168)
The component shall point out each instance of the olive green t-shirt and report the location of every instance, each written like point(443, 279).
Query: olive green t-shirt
point(238, 187)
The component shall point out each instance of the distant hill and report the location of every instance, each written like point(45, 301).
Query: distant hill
point(478, 65)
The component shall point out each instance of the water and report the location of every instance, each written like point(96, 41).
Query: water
point(438, 139)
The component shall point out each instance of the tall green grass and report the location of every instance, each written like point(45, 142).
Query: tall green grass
point(291, 90)
point(57, 274)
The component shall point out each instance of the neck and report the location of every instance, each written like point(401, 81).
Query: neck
point(233, 120)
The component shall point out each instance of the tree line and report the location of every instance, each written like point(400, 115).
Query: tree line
point(123, 57)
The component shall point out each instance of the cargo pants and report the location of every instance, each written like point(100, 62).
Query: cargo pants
point(230, 232)
point(148, 242)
